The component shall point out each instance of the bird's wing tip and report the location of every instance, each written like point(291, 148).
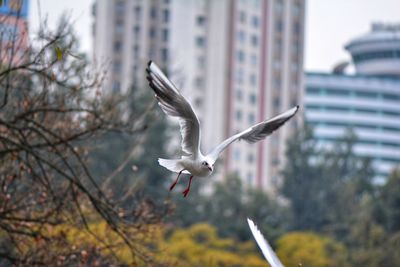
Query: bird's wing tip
point(149, 63)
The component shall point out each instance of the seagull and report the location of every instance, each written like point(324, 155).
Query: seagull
point(266, 249)
point(193, 162)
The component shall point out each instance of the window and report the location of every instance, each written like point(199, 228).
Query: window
point(164, 54)
point(136, 31)
point(201, 20)
point(255, 21)
point(116, 87)
point(165, 35)
point(152, 33)
point(313, 91)
point(296, 28)
point(296, 9)
point(236, 154)
point(165, 15)
point(250, 158)
point(391, 96)
point(201, 62)
point(253, 79)
point(279, 6)
point(238, 115)
point(117, 66)
point(136, 51)
point(138, 12)
point(253, 59)
point(200, 41)
point(199, 82)
point(249, 178)
point(277, 102)
point(242, 17)
point(241, 35)
point(198, 102)
point(119, 26)
point(337, 92)
point(279, 25)
point(239, 76)
point(277, 81)
point(252, 118)
point(120, 8)
point(117, 46)
point(239, 95)
point(256, 4)
point(366, 95)
point(240, 56)
point(254, 40)
point(153, 12)
point(252, 98)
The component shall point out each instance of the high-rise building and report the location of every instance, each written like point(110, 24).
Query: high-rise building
point(238, 62)
point(368, 102)
point(13, 31)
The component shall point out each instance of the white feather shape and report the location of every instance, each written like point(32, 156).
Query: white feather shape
point(266, 249)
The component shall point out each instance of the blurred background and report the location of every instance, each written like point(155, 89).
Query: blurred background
point(80, 132)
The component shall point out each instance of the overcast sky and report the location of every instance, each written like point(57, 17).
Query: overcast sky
point(330, 24)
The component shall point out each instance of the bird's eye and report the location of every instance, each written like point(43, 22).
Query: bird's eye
point(206, 163)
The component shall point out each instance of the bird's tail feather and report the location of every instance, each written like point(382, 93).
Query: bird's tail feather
point(170, 164)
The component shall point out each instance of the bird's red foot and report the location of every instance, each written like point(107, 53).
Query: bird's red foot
point(176, 181)
point(186, 192)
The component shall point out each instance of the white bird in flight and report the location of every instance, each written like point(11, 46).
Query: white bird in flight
point(193, 162)
point(266, 249)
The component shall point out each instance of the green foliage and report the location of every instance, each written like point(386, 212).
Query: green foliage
point(311, 250)
point(390, 203)
point(325, 187)
point(227, 208)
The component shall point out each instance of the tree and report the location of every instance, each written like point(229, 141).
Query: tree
point(227, 208)
point(389, 205)
point(302, 185)
point(325, 187)
point(117, 157)
point(200, 245)
point(50, 106)
point(310, 249)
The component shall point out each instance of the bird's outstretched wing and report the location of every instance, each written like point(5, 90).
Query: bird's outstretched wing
point(266, 249)
point(174, 104)
point(255, 133)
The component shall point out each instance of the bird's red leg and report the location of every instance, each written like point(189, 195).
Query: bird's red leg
point(176, 181)
point(186, 192)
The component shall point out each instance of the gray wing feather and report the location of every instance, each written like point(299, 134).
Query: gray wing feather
point(255, 133)
point(174, 104)
point(266, 249)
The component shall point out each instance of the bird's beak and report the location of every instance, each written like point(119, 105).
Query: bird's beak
point(210, 168)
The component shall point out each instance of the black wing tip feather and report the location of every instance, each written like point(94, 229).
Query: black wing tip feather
point(148, 77)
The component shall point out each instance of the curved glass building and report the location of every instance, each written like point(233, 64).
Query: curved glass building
point(368, 102)
point(378, 52)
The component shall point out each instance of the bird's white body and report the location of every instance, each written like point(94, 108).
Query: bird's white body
point(194, 167)
point(188, 165)
point(193, 162)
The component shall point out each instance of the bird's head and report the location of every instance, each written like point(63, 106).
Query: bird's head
point(206, 165)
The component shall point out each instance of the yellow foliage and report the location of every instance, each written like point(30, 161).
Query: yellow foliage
point(200, 246)
point(311, 250)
